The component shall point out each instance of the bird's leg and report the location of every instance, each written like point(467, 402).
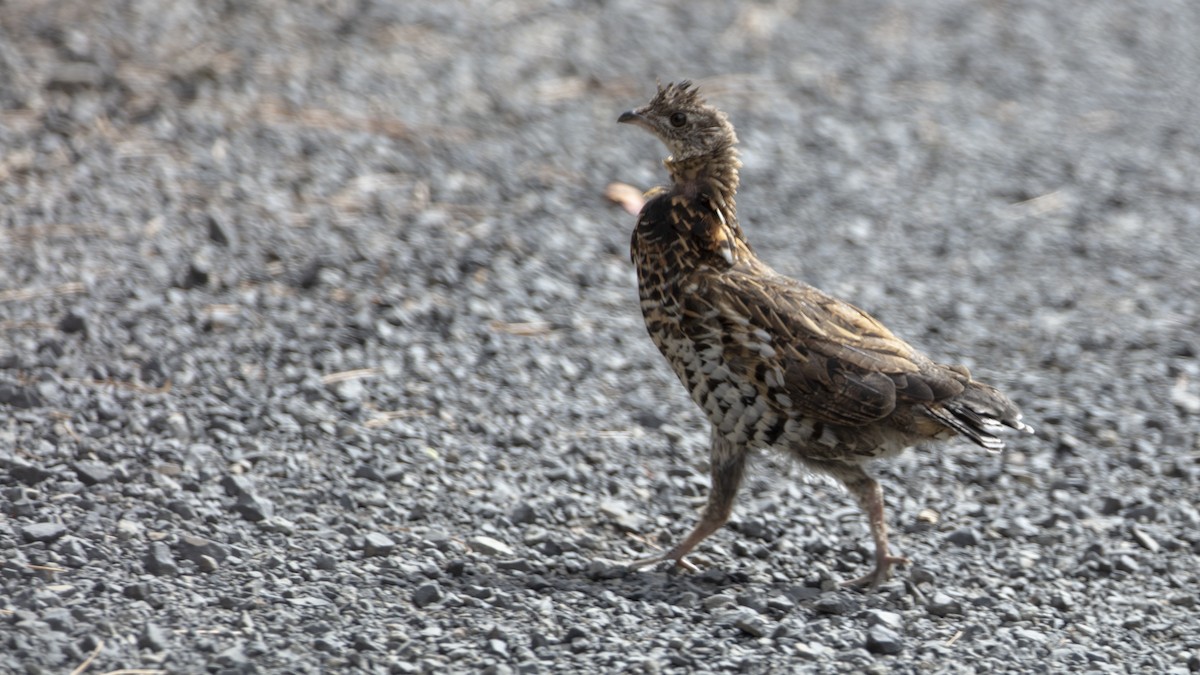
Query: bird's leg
point(728, 467)
point(870, 497)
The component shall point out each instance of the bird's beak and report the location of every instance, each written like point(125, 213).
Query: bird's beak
point(636, 118)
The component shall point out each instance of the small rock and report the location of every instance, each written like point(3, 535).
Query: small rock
point(964, 536)
point(59, 619)
point(1142, 537)
point(752, 624)
point(234, 658)
point(92, 473)
point(198, 549)
point(943, 605)
point(196, 275)
point(369, 472)
point(1146, 512)
point(19, 397)
point(811, 651)
point(159, 561)
point(1187, 402)
point(716, 601)
point(838, 604)
point(880, 617)
point(218, 232)
point(254, 508)
point(427, 594)
point(237, 486)
point(780, 603)
point(753, 601)
point(524, 514)
point(29, 474)
point(73, 321)
point(1183, 600)
point(922, 575)
point(1061, 600)
point(153, 637)
point(377, 543)
point(1126, 563)
point(489, 546)
point(884, 640)
point(621, 516)
point(1110, 506)
point(45, 532)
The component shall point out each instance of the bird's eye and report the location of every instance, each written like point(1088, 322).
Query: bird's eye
point(678, 119)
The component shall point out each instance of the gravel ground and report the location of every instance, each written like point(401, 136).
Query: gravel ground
point(321, 351)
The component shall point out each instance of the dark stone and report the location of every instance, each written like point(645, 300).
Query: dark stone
point(310, 276)
point(964, 536)
point(237, 486)
point(884, 640)
point(196, 275)
point(254, 508)
point(153, 637)
point(377, 543)
point(369, 472)
point(73, 321)
point(29, 474)
point(44, 532)
point(159, 560)
point(200, 551)
point(943, 605)
point(524, 514)
point(92, 473)
point(838, 604)
point(19, 396)
point(752, 624)
point(217, 231)
point(427, 594)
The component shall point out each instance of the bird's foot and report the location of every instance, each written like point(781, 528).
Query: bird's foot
point(881, 573)
point(676, 559)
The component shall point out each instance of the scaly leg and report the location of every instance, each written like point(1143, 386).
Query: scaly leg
point(870, 497)
point(728, 467)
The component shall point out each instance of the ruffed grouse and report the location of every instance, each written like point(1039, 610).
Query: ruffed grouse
point(772, 361)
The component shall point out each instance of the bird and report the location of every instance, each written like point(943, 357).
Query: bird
point(771, 361)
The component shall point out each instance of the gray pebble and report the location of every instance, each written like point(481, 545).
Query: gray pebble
point(753, 624)
point(837, 603)
point(198, 549)
point(427, 594)
point(883, 640)
point(943, 605)
point(489, 546)
point(45, 532)
point(159, 560)
point(717, 602)
point(154, 638)
point(881, 617)
point(254, 508)
point(964, 536)
point(376, 543)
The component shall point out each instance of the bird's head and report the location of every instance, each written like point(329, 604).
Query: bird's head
point(684, 122)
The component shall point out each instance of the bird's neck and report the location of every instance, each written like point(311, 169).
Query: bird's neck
point(713, 177)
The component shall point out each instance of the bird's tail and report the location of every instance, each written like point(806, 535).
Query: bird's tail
point(978, 413)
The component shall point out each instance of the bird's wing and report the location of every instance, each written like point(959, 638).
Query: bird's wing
point(813, 352)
